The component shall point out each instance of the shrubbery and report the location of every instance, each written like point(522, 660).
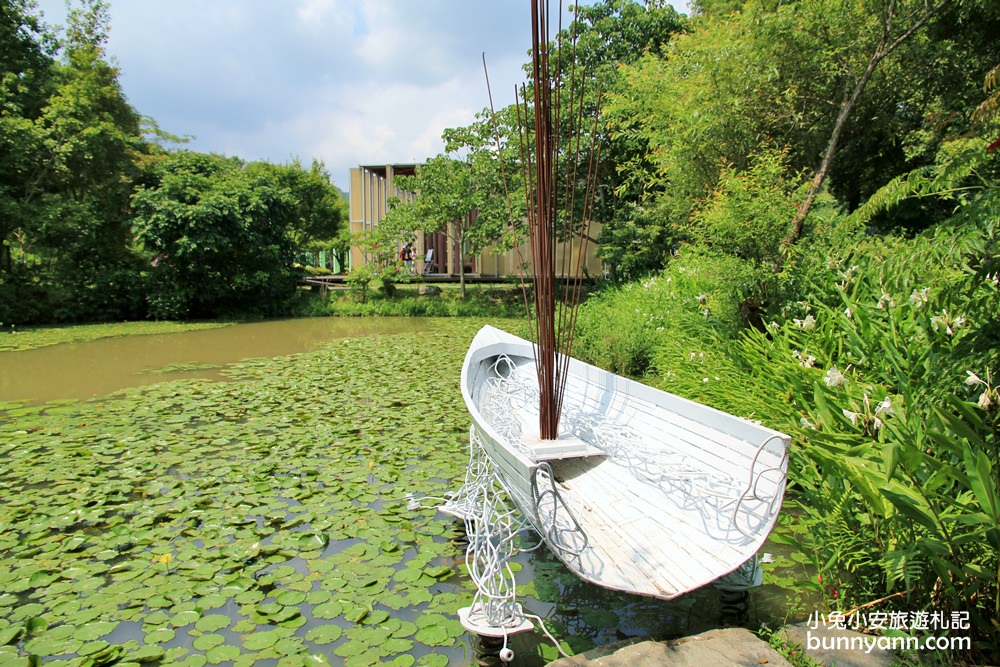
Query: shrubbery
point(882, 365)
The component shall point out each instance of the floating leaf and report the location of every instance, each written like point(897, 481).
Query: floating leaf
point(331, 609)
point(324, 634)
point(9, 634)
point(224, 653)
point(212, 622)
point(433, 635)
point(207, 642)
point(184, 618)
point(261, 640)
point(96, 630)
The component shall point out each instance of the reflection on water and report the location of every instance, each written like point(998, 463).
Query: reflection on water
point(95, 368)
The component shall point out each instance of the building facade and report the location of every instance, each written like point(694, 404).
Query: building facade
point(372, 186)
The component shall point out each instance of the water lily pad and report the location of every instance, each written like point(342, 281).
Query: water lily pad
point(208, 642)
point(95, 630)
point(146, 654)
point(331, 609)
point(324, 634)
point(160, 636)
point(9, 634)
point(600, 618)
point(261, 640)
point(434, 635)
point(290, 597)
point(224, 653)
point(212, 622)
point(184, 618)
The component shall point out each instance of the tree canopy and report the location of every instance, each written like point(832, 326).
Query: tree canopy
point(79, 167)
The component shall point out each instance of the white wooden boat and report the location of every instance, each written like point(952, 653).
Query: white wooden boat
point(644, 491)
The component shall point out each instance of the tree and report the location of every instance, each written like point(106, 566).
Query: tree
point(782, 76)
point(218, 236)
point(320, 211)
point(73, 148)
point(896, 21)
point(466, 199)
point(26, 71)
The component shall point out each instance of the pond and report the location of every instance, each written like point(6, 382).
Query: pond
point(221, 509)
point(95, 368)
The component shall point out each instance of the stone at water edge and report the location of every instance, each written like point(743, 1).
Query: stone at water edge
point(732, 646)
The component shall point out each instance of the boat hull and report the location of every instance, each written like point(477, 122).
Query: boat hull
point(644, 491)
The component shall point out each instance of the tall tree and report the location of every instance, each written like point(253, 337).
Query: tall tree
point(880, 28)
point(26, 71)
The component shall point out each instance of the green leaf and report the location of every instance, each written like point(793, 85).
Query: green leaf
point(261, 640)
point(324, 634)
point(979, 470)
point(909, 504)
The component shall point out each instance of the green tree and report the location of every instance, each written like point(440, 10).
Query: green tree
point(218, 234)
point(466, 199)
point(856, 91)
point(74, 148)
point(26, 72)
point(609, 34)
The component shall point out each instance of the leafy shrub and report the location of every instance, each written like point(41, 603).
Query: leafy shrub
point(698, 295)
point(884, 372)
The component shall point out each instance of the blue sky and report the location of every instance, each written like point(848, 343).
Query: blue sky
point(347, 82)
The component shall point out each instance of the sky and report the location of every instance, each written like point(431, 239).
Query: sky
point(347, 82)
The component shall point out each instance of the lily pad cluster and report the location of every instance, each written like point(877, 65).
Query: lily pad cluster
point(229, 523)
point(262, 520)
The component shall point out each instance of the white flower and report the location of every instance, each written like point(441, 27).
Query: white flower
point(701, 298)
point(806, 424)
point(919, 297)
point(885, 406)
point(848, 312)
point(853, 416)
point(834, 378)
point(808, 323)
point(804, 361)
point(877, 424)
point(885, 300)
point(950, 324)
point(973, 379)
point(704, 379)
point(984, 401)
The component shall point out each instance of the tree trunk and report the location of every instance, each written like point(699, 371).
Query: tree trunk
point(461, 268)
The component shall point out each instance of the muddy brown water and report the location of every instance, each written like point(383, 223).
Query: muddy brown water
point(96, 368)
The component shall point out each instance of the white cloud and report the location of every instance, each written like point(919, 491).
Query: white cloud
point(345, 81)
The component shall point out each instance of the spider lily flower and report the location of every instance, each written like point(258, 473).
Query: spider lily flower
point(919, 297)
point(973, 379)
point(984, 400)
point(885, 300)
point(950, 324)
point(834, 378)
point(808, 323)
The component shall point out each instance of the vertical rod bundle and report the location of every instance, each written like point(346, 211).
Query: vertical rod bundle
point(559, 193)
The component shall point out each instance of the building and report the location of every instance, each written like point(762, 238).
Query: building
point(373, 185)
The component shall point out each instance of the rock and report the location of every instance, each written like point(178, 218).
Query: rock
point(428, 290)
point(840, 647)
point(732, 646)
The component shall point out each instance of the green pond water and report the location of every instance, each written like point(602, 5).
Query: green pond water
point(237, 496)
